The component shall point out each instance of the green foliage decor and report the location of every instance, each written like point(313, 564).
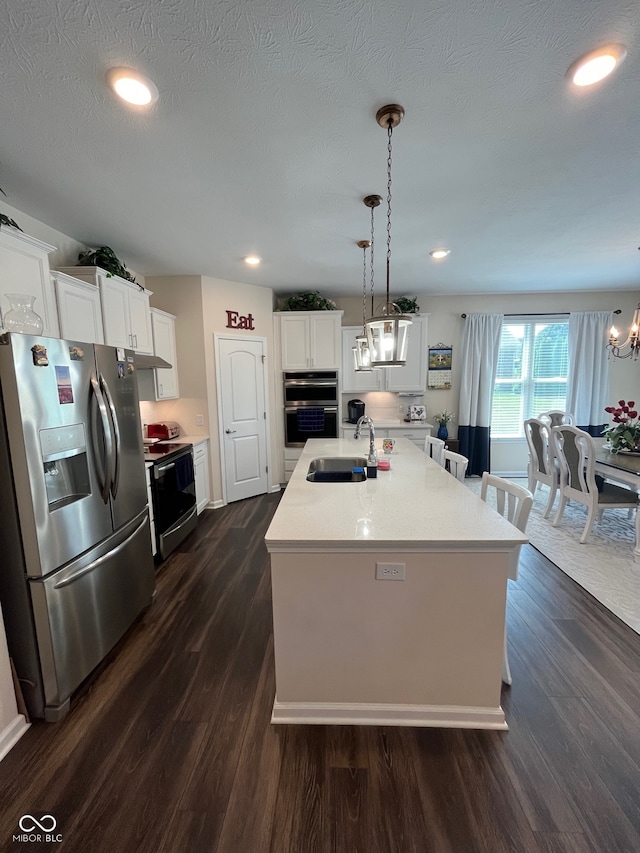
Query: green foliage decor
point(407, 305)
point(308, 300)
point(106, 259)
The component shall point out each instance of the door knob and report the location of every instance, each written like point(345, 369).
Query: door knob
point(228, 431)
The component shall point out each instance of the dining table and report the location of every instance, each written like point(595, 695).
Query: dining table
point(625, 468)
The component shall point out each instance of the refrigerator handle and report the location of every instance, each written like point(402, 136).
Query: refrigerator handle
point(116, 432)
point(104, 474)
point(74, 576)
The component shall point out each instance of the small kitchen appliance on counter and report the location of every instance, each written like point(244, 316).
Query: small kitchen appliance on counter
point(355, 410)
point(163, 431)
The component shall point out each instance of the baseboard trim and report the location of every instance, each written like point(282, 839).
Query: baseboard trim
point(12, 733)
point(346, 714)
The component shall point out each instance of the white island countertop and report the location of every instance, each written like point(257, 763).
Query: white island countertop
point(354, 646)
point(416, 505)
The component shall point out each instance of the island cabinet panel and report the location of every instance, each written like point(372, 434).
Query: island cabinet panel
point(389, 595)
point(430, 645)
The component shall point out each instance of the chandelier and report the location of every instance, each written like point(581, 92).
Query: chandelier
point(361, 350)
point(388, 332)
point(631, 347)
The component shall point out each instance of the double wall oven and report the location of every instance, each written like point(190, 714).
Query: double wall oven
point(310, 405)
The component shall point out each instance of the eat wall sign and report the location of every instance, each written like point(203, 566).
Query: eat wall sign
point(238, 321)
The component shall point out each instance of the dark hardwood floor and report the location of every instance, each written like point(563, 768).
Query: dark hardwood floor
point(170, 749)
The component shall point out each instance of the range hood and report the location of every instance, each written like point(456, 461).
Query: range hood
point(148, 362)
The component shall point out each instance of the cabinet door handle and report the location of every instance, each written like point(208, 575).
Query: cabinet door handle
point(229, 431)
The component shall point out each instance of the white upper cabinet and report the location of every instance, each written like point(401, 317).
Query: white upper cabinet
point(352, 380)
point(79, 309)
point(310, 339)
point(411, 377)
point(24, 269)
point(125, 309)
point(164, 345)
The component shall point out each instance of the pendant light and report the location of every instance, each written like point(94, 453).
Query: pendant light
point(388, 332)
point(361, 351)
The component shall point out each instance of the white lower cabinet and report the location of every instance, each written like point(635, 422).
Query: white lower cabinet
point(201, 471)
point(291, 456)
point(79, 309)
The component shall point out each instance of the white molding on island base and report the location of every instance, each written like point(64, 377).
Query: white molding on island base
point(361, 714)
point(12, 733)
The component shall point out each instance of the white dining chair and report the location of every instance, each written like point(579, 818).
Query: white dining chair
point(434, 447)
point(456, 464)
point(514, 503)
point(556, 417)
point(542, 467)
point(573, 448)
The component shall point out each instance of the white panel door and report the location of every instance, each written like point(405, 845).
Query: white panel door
point(243, 421)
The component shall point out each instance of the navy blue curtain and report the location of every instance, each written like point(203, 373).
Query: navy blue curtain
point(475, 444)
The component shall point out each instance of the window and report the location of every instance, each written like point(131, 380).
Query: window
point(533, 361)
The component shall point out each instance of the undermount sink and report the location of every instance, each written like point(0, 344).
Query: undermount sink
point(337, 469)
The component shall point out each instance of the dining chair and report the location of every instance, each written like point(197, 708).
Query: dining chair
point(542, 467)
point(556, 417)
point(434, 447)
point(456, 464)
point(573, 448)
point(514, 503)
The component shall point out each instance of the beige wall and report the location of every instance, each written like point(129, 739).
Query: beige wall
point(445, 325)
point(200, 304)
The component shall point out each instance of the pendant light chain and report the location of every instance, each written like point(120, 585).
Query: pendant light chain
point(389, 131)
point(364, 287)
point(371, 261)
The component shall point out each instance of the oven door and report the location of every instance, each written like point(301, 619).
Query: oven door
point(298, 427)
point(318, 388)
point(174, 499)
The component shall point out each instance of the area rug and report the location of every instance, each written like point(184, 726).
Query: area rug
point(604, 565)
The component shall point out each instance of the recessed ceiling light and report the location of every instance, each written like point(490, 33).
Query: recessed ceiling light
point(596, 65)
point(252, 260)
point(439, 254)
point(132, 87)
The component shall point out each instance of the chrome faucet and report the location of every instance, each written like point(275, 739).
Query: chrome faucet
point(373, 454)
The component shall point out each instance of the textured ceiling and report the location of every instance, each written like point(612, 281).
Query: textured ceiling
point(264, 139)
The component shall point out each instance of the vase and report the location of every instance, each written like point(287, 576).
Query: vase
point(443, 432)
point(21, 317)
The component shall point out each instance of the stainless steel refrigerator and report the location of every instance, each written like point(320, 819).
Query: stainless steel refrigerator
point(75, 551)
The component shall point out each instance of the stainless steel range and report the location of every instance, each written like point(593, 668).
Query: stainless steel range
point(173, 493)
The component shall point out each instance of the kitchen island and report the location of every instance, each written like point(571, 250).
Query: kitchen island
point(388, 596)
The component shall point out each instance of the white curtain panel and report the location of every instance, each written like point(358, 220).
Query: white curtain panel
point(480, 344)
point(588, 380)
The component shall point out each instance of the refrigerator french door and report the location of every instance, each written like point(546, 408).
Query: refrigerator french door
point(77, 567)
